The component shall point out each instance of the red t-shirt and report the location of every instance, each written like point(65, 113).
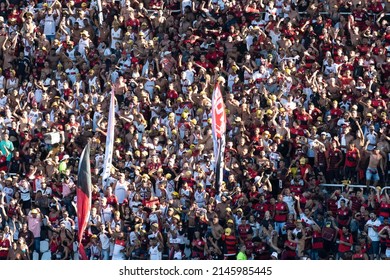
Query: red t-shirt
point(4, 244)
point(346, 238)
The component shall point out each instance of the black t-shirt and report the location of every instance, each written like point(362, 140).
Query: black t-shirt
point(15, 165)
point(22, 65)
point(12, 132)
point(283, 148)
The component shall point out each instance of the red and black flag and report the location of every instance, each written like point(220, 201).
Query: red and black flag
point(84, 194)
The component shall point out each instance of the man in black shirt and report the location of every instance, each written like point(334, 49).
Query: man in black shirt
point(22, 64)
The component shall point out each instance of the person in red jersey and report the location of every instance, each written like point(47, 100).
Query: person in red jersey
point(359, 254)
point(352, 160)
point(385, 234)
point(334, 159)
point(280, 218)
point(345, 239)
point(5, 245)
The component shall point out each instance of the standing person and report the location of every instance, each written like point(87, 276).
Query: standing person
point(6, 147)
point(229, 244)
point(384, 206)
point(119, 249)
point(120, 189)
point(385, 234)
point(25, 193)
point(28, 237)
point(155, 249)
point(280, 218)
point(4, 246)
point(372, 228)
point(34, 221)
point(104, 239)
point(241, 256)
point(344, 214)
point(334, 158)
point(359, 254)
point(352, 159)
point(345, 239)
point(374, 165)
point(50, 24)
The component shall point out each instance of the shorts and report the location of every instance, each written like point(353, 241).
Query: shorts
point(372, 174)
point(26, 204)
point(387, 253)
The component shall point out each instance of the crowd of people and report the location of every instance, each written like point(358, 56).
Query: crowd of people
point(305, 85)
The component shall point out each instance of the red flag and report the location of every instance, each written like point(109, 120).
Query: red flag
point(84, 191)
point(218, 113)
point(219, 129)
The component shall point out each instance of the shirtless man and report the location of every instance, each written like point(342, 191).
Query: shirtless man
point(384, 147)
point(375, 162)
point(216, 229)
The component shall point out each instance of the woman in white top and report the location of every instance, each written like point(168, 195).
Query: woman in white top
point(84, 42)
point(200, 196)
point(120, 190)
point(116, 34)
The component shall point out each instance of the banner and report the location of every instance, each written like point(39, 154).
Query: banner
point(219, 129)
point(109, 141)
point(84, 194)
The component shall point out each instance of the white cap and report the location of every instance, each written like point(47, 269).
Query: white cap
point(257, 179)
point(65, 157)
point(275, 255)
point(166, 53)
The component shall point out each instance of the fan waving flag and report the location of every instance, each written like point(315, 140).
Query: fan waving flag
point(219, 129)
point(84, 194)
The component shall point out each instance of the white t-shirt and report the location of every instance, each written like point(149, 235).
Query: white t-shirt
point(154, 253)
point(290, 202)
point(373, 234)
point(120, 191)
point(116, 253)
point(50, 25)
point(105, 241)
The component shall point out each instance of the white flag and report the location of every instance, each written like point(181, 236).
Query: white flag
point(109, 142)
